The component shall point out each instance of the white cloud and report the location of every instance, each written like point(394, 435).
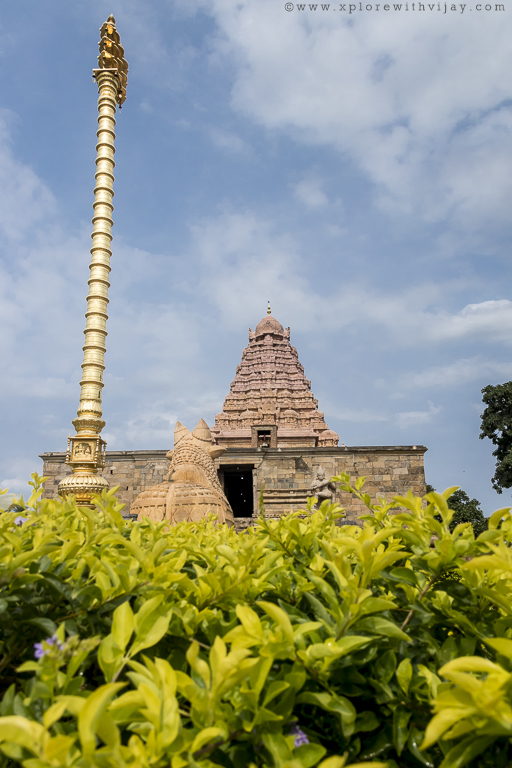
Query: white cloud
point(25, 200)
point(17, 472)
point(310, 192)
point(356, 415)
point(38, 387)
point(417, 100)
point(229, 141)
point(408, 318)
point(246, 260)
point(491, 319)
point(413, 418)
point(458, 373)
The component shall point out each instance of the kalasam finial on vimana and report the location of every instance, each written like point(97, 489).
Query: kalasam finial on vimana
point(86, 449)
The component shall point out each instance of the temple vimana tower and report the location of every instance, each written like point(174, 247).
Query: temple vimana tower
point(274, 436)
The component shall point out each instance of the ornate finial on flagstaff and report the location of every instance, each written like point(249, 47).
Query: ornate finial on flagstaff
point(112, 56)
point(268, 309)
point(86, 450)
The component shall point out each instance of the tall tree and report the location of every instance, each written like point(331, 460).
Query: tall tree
point(497, 426)
point(466, 511)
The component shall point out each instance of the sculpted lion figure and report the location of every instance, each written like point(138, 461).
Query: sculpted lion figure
point(191, 489)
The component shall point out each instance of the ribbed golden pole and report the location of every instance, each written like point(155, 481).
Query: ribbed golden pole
point(86, 450)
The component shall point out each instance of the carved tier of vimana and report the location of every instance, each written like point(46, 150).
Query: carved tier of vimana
point(269, 433)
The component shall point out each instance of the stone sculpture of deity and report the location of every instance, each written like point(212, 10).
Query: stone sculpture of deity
point(322, 488)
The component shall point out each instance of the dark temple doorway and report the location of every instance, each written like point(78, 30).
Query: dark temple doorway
point(239, 489)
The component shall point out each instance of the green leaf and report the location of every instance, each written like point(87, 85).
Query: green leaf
point(274, 689)
point(348, 644)
point(28, 666)
point(366, 721)
point(54, 713)
point(332, 703)
point(259, 673)
point(25, 733)
point(372, 764)
point(205, 737)
point(110, 657)
point(463, 753)
point(379, 626)
point(405, 574)
point(47, 625)
point(500, 644)
point(401, 717)
point(277, 746)
point(92, 711)
point(385, 666)
point(152, 630)
point(57, 749)
point(123, 624)
point(333, 762)
point(415, 739)
point(250, 620)
point(375, 604)
point(309, 754)
point(280, 617)
point(404, 675)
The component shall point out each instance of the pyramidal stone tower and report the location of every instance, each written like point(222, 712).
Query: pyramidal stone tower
point(270, 402)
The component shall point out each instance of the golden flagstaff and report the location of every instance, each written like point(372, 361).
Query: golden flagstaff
point(86, 450)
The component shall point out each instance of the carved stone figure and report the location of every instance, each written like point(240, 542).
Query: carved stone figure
point(191, 490)
point(322, 488)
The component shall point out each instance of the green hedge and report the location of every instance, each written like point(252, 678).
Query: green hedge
point(299, 643)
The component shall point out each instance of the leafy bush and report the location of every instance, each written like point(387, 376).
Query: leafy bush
point(300, 643)
point(466, 511)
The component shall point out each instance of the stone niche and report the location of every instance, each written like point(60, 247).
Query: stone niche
point(264, 436)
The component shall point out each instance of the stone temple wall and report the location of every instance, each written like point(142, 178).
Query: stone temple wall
point(133, 471)
point(287, 474)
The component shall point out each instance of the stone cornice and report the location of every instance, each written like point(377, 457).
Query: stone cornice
point(60, 456)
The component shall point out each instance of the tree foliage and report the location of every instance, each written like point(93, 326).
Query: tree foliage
point(497, 426)
point(466, 511)
point(300, 643)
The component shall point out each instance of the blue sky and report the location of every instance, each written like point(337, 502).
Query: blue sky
point(355, 169)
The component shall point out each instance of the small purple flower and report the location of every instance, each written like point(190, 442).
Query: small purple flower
point(300, 736)
point(20, 520)
point(40, 650)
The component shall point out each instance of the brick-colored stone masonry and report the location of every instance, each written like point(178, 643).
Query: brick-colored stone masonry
point(132, 471)
point(274, 433)
point(287, 474)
